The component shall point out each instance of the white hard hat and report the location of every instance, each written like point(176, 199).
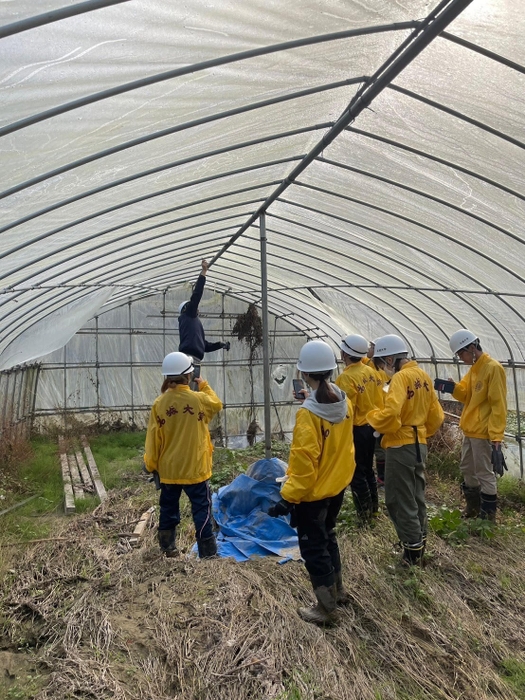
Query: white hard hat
point(176, 363)
point(181, 306)
point(354, 345)
point(389, 345)
point(316, 356)
point(460, 339)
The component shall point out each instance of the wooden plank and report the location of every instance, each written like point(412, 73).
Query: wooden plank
point(69, 497)
point(141, 526)
point(76, 479)
point(97, 481)
point(87, 481)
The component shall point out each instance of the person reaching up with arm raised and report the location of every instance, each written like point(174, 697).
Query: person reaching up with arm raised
point(192, 340)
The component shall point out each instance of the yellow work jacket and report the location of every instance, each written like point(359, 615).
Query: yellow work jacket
point(382, 378)
point(359, 382)
point(178, 443)
point(322, 461)
point(483, 390)
point(410, 401)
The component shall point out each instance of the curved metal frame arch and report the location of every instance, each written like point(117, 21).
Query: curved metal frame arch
point(458, 115)
point(176, 129)
point(447, 163)
point(55, 15)
point(504, 301)
point(204, 65)
point(119, 239)
point(139, 219)
point(412, 190)
point(512, 273)
point(379, 233)
point(365, 291)
point(401, 217)
point(187, 242)
point(285, 258)
point(136, 200)
point(306, 265)
point(484, 52)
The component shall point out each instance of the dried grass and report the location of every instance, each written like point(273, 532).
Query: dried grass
point(107, 621)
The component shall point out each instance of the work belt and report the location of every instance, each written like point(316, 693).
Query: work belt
point(418, 451)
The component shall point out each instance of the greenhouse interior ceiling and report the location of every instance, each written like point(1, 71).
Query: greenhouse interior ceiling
point(356, 166)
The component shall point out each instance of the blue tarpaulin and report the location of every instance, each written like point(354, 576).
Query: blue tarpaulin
point(246, 531)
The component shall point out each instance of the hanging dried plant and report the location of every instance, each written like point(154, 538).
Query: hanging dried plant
point(248, 328)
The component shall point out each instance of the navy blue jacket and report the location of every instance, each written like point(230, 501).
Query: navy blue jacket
point(191, 333)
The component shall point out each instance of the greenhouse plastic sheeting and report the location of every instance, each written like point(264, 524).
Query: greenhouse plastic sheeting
point(139, 137)
point(246, 531)
point(378, 145)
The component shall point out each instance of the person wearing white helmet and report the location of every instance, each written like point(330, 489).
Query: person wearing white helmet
point(320, 467)
point(483, 392)
point(179, 448)
point(192, 339)
point(358, 381)
point(410, 415)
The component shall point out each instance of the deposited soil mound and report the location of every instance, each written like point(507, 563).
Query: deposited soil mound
point(87, 616)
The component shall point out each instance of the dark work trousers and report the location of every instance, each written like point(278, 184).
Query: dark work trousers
point(405, 492)
point(317, 539)
point(200, 498)
point(380, 460)
point(364, 484)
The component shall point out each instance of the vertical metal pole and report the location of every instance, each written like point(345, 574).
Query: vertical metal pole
point(266, 353)
point(5, 411)
point(65, 386)
point(163, 324)
point(518, 415)
point(225, 434)
point(97, 369)
point(19, 412)
point(131, 364)
point(34, 390)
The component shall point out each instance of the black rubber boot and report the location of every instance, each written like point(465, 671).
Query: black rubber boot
point(413, 553)
point(167, 542)
point(207, 548)
point(363, 508)
point(489, 503)
point(472, 497)
point(325, 612)
point(342, 597)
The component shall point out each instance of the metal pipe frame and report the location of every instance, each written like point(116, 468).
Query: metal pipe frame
point(404, 244)
point(265, 344)
point(176, 129)
point(139, 219)
point(445, 13)
point(397, 184)
point(55, 16)
point(198, 67)
point(362, 95)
